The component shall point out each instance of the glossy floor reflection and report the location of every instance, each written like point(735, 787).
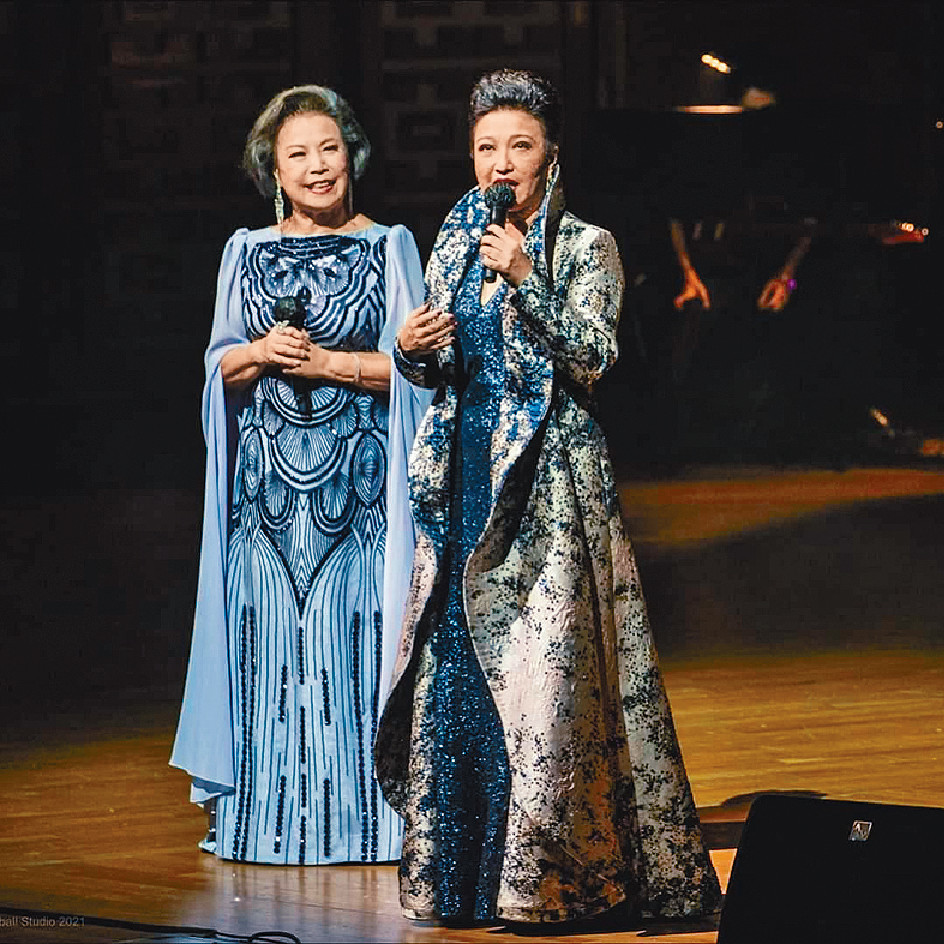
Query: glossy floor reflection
point(798, 615)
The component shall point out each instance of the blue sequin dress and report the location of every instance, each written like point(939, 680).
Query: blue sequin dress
point(305, 574)
point(460, 723)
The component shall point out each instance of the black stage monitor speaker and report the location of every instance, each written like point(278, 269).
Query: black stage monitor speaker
point(810, 871)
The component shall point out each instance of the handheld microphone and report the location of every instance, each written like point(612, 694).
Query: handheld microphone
point(290, 310)
point(498, 198)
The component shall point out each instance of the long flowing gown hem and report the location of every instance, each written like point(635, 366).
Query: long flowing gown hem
point(287, 669)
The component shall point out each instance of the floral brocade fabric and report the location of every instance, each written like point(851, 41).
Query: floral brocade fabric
point(599, 807)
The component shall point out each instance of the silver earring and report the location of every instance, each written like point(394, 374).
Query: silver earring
point(279, 202)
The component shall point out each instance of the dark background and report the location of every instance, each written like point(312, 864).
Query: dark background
point(123, 124)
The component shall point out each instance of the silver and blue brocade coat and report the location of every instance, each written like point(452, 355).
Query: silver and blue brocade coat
point(600, 808)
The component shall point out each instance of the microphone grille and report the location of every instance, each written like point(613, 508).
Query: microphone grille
point(500, 195)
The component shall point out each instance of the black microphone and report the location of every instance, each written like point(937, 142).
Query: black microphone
point(498, 198)
point(291, 310)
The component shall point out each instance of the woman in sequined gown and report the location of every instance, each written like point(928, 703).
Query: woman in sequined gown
point(306, 526)
point(527, 741)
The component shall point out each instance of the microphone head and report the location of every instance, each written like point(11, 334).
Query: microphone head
point(292, 308)
point(500, 195)
point(284, 309)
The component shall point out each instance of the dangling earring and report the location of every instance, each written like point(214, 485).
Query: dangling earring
point(279, 202)
point(350, 198)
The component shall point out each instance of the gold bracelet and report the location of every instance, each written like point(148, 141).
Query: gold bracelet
point(357, 368)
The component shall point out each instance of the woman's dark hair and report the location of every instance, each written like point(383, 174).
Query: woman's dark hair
point(516, 88)
point(259, 155)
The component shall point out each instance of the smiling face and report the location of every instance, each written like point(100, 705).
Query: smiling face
point(311, 158)
point(509, 146)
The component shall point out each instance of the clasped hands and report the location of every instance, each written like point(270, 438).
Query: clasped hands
point(427, 329)
point(292, 351)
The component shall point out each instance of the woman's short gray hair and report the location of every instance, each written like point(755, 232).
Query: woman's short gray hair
point(259, 155)
point(517, 88)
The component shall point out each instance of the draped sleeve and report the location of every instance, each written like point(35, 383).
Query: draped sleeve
point(204, 743)
point(408, 404)
point(577, 323)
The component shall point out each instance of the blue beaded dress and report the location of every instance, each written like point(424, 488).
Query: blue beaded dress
point(303, 585)
point(460, 728)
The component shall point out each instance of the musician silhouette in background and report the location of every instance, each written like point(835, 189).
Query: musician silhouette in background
point(777, 314)
point(737, 242)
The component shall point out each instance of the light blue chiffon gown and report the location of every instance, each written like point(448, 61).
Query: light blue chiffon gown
point(303, 588)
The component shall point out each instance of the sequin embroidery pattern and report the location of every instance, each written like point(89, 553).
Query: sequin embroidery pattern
point(305, 574)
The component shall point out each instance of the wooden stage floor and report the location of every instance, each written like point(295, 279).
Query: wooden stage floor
point(96, 826)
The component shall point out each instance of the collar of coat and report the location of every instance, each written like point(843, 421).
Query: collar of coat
point(459, 237)
point(529, 370)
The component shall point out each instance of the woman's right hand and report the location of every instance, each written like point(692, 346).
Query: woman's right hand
point(425, 331)
point(283, 347)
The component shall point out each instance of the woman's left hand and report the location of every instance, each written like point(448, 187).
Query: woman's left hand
point(367, 370)
point(313, 367)
point(502, 250)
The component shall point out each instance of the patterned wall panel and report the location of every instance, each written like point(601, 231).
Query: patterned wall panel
point(181, 83)
point(432, 54)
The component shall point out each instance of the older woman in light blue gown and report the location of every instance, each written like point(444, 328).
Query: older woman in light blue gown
point(307, 536)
